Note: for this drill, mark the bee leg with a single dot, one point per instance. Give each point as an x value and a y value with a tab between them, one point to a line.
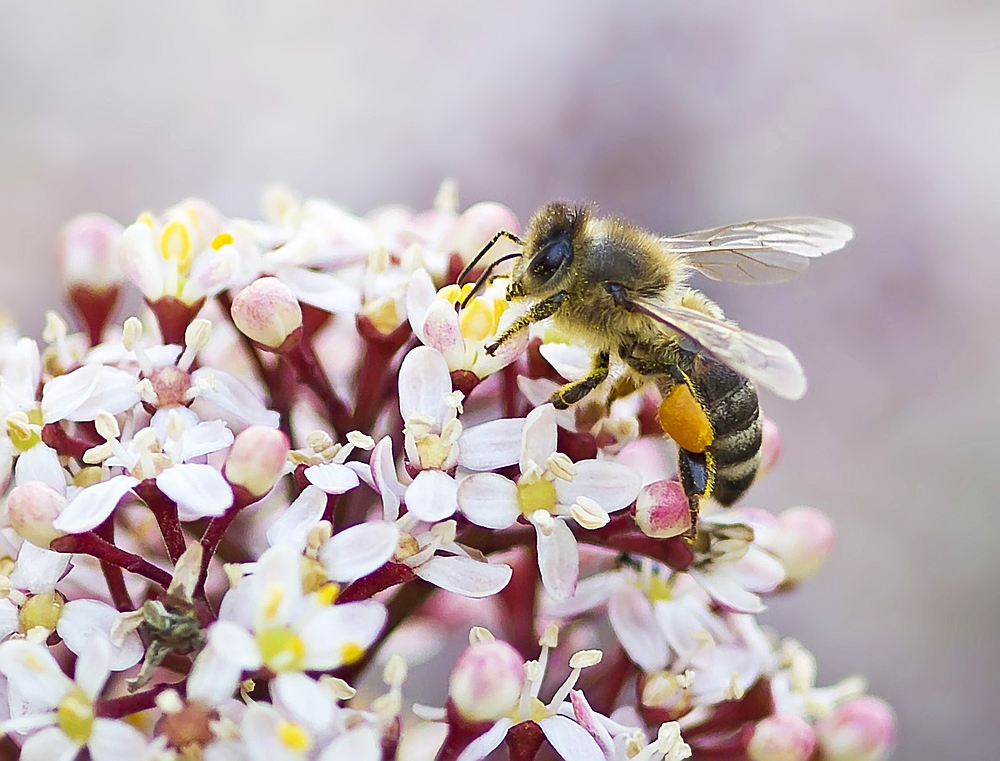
573	392
625	384
539	311
696	471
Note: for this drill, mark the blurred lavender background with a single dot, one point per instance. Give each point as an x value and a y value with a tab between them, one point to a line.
883	114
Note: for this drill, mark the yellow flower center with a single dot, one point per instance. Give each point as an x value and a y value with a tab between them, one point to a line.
281	649
659	589
480	317
538	710
75	716
293	736
328	593
41	610
536	495
434	451
88	476
350	652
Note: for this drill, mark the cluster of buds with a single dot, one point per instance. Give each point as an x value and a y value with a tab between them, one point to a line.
299	466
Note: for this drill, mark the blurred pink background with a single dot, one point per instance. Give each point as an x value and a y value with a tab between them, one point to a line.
883	114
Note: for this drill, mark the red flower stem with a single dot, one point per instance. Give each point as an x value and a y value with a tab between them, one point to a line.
460	734
117	708
164	510
113	574
377	581
216	529
609	683
508	380
520	597
308	371
55	436
374	380
93	545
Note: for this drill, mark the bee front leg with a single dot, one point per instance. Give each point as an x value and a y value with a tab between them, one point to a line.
539	311
573	392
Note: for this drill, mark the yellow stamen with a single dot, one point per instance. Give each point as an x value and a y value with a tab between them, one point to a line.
75	716
350	652
293	736
222	239
175	245
328	593
281	649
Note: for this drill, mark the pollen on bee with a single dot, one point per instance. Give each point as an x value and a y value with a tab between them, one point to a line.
684	420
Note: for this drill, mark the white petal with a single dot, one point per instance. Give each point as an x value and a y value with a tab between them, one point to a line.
224	396
49	745
632	618
723	585
204	438
570	740
487	742
213	679
93	666
200	491
492	445
292	527
10	618
41	463
538	390
358	744
31	668
571	361
93	505
278	573
683	620
330	630
420	293
233	643
83	621
610	484
591	593
303	700
21	369
442	331
433	496
558	560
359	550
321	290
332	477
489	500
465	576
37	570
140	261
213	270
760	571
90	389
538	440
112	740
383	467
424	381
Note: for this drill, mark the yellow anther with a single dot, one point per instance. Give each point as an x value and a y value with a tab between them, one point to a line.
659	589
293	736
477	321
350	652
328	593
222	239
147	218
75	716
175	242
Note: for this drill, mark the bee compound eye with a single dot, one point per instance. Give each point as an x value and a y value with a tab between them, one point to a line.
550	258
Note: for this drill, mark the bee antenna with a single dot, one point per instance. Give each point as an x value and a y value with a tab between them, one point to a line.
486	275
487	247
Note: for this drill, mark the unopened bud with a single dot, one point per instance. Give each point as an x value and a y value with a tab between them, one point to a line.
803	542
862	729
486	681
267	312
782	737
661	510
31	509
88	253
770	446
257	459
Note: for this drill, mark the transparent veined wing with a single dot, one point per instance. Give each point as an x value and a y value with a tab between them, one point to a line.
765	251
766	362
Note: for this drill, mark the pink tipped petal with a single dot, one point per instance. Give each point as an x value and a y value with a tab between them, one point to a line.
200	491
443	332
424	381
489	500
587	718
465	576
558	560
91	507
538	440
570	740
332	477
492	445
433	496
610	484
84	621
359	550
486	743
293	525
632	618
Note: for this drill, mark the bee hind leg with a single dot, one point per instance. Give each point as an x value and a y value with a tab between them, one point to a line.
573	392
696	471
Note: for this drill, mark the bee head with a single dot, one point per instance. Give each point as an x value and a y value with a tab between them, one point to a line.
548	251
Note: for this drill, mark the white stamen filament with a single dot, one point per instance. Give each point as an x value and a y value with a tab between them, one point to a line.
196	337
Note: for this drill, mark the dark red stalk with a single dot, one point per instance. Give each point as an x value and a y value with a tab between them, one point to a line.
93	545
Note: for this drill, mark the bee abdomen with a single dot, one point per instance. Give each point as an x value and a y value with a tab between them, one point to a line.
737	456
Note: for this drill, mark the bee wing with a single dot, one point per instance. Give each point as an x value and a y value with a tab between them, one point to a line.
765	251
765	362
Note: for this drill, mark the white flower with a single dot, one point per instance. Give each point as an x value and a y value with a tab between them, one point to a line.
63	709
550	490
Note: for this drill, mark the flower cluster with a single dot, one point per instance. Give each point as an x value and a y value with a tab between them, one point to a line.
233	523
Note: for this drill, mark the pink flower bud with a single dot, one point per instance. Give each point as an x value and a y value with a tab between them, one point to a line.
803	542
782	737
661	510
31	508
477	225
257	459
486	681
268	313
862	729
770	446
88	254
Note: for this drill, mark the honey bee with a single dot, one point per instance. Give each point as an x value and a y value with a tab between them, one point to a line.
623	290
